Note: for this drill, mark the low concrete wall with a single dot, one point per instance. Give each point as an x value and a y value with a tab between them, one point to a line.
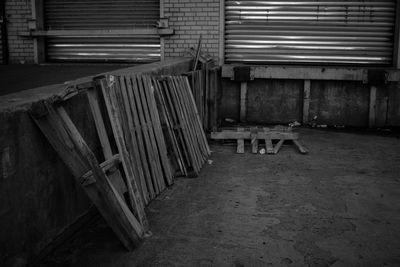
39	198
273	101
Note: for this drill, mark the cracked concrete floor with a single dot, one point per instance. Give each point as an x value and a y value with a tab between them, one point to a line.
337	206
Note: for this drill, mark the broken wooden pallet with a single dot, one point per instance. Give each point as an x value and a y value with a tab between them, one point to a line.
95	178
254	134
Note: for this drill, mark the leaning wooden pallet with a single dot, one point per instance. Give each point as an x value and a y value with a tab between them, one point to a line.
178	108
62	134
167	122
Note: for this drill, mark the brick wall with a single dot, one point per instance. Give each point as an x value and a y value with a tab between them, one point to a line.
20	48
191	18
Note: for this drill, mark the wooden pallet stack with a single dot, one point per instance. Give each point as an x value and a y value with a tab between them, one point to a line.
182	122
137	165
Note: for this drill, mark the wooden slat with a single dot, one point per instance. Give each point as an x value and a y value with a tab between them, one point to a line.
306	100
240	143
247	135
243	101
278	146
193	106
301	148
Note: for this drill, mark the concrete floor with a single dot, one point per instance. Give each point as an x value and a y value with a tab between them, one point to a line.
15	78
337	206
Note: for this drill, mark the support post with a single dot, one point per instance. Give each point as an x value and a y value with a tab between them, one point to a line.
372	106
306	100
243	100
221	52
38	42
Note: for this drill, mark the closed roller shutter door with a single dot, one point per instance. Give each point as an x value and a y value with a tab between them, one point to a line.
313	32
102	15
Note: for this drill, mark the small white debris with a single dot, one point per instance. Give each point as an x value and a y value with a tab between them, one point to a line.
262	151
210	162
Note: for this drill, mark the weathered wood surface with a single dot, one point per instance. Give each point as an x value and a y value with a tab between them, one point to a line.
73	150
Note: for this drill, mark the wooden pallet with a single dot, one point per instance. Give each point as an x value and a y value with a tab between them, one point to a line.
254	134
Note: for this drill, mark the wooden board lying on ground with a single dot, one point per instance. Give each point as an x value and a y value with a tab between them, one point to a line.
255	134
62	134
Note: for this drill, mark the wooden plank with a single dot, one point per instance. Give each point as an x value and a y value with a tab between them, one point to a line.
107	86
278	146
196	59
190	108
140	139
130	138
193	106
159	135
372	107
306	100
260	135
108	33
73	150
268	143
302	73
240	143
167	120
243	100
155	172
301	148
150	128
106	166
254	141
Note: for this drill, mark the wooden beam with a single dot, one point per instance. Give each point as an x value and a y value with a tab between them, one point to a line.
372	107
310	73
243	100
240	142
114	33
221	52
241	134
306	100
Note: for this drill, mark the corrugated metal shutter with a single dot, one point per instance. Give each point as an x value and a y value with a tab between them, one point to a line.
102	15
311	32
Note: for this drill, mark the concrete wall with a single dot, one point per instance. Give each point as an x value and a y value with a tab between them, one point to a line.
39	198
190	19
332	102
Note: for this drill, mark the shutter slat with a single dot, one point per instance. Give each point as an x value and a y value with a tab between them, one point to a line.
320	31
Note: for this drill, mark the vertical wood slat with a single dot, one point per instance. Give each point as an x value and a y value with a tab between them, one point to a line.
306	100
73	150
243	101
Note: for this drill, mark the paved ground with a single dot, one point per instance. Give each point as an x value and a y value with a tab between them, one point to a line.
14	78
337	206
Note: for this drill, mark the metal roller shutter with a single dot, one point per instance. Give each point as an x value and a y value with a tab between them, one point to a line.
102	15
311	32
